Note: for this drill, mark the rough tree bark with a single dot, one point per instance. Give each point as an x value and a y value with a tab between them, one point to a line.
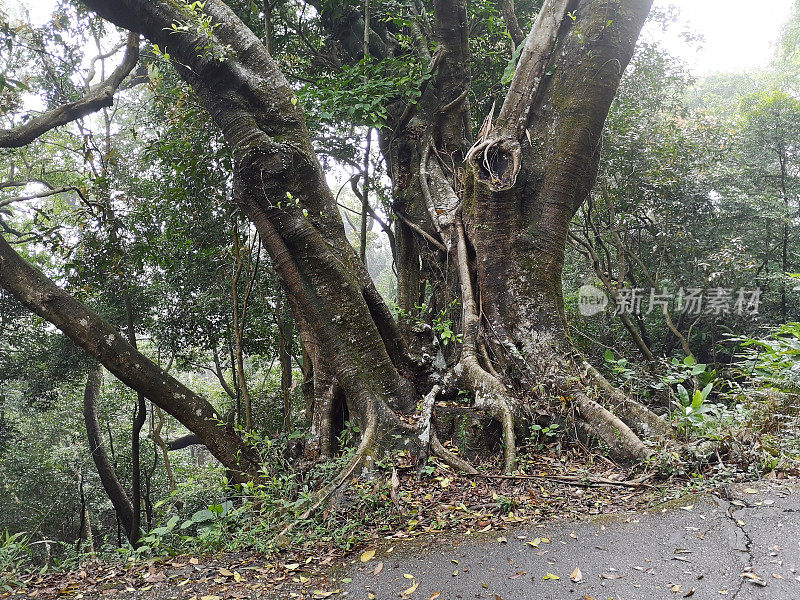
495	214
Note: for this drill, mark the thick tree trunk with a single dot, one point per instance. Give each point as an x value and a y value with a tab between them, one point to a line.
529	174
280	186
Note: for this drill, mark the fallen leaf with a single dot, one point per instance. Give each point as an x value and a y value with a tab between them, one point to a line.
194	561
750	491
550	576
408	576
755	579
411	590
367	556
611	576
226	573
292	566
435	596
576	576
377	570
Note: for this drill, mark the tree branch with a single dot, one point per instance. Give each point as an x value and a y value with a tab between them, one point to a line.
512	24
97	97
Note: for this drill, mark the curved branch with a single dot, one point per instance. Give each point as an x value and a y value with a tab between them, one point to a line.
108	477
512	24
44	194
99	96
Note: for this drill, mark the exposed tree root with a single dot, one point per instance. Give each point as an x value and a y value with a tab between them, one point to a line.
425	426
622	441
449	458
576	480
490	393
638	417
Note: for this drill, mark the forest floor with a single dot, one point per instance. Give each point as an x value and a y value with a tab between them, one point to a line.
573	530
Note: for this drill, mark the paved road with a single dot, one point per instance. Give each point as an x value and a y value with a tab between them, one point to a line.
698	550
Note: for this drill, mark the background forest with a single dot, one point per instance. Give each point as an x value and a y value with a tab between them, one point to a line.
129	209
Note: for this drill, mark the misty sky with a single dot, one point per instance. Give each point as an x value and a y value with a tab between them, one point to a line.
739	34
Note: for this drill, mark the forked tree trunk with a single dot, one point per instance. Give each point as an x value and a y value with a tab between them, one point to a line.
501	223
529	174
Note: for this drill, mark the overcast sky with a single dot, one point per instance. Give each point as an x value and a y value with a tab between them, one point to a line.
739	34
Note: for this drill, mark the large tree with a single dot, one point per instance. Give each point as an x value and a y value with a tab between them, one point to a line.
482	221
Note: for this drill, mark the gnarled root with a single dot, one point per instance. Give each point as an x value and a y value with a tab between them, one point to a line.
638	417
458	463
490	393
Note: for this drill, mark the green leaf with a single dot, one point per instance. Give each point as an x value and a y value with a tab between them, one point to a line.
697	400
511	67
202	516
683	395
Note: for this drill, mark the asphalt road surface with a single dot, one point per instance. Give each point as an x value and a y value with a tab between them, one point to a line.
744	547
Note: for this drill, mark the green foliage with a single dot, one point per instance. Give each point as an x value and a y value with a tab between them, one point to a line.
773	360
541	436
362	92
443	328
14	556
201	24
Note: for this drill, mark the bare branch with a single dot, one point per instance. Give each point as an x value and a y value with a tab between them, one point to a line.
512	24
44	194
